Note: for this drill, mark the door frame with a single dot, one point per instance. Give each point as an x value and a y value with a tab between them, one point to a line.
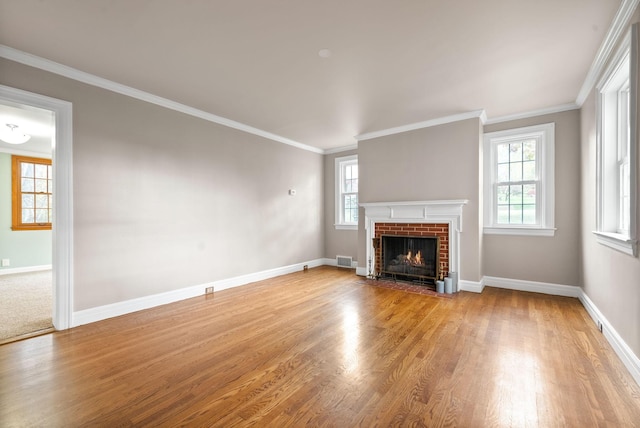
62	225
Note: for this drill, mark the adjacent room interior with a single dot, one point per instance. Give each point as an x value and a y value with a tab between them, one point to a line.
228	148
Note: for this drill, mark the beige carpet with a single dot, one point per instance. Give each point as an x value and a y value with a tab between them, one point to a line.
25	303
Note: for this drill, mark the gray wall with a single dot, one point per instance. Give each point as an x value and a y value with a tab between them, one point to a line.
611	279
554	259
163	200
24	248
440	162
337	242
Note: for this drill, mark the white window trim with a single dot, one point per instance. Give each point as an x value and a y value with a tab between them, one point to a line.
545	203
625	243
339	221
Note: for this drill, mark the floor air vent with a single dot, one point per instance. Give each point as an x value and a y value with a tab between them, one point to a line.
343	261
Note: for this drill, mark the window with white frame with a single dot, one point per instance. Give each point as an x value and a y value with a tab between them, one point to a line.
519	181
347	192
616	148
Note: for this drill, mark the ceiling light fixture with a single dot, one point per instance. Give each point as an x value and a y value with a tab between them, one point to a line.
324	53
11	135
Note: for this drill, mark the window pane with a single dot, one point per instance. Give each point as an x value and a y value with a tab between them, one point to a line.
529	170
354	171
503	172
503	153
529	194
529	214
515	171
41	186
347	201
351	185
27	216
626	179
351	216
503	195
347	172
515	195
515	214
26	169
515	154
49	186
27	201
503	214
41	171
50	171
42	201
42	216
529	150
350	208
625	198
27	185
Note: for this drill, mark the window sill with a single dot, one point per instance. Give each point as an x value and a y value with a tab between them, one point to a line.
520	231
346	226
617	242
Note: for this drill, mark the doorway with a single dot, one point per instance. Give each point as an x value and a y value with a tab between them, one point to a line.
26	186
62	230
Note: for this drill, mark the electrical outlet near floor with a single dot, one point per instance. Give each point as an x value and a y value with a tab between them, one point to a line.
208	290
600	326
6	262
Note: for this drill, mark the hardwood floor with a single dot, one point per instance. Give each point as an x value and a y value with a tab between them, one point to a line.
321	348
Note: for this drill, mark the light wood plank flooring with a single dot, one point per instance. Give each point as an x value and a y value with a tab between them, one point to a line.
321	348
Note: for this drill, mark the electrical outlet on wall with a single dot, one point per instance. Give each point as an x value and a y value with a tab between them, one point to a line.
6	262
208	290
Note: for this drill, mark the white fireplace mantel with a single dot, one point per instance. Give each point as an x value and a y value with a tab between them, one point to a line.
440	211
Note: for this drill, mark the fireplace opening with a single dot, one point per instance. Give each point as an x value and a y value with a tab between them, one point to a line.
410	258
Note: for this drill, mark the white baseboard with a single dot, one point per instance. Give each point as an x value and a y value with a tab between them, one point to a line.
25	269
128	306
259	276
472	286
626	355
532	286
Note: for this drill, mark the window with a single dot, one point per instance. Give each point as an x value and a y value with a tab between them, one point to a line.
347	192
32	182
615	151
519	181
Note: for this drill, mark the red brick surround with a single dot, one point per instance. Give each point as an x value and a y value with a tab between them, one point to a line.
417	229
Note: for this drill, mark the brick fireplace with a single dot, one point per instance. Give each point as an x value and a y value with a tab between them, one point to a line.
441	218
439	230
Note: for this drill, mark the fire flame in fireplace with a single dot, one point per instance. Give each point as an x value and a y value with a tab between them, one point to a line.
412	260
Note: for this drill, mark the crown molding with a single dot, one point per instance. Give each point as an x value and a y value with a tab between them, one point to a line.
426	124
533	113
340	149
90	79
620	22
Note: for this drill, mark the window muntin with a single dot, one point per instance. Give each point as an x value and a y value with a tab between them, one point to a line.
32	193
347	192
519	180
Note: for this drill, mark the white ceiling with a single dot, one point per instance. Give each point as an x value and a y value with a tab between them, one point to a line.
37	123
392	63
